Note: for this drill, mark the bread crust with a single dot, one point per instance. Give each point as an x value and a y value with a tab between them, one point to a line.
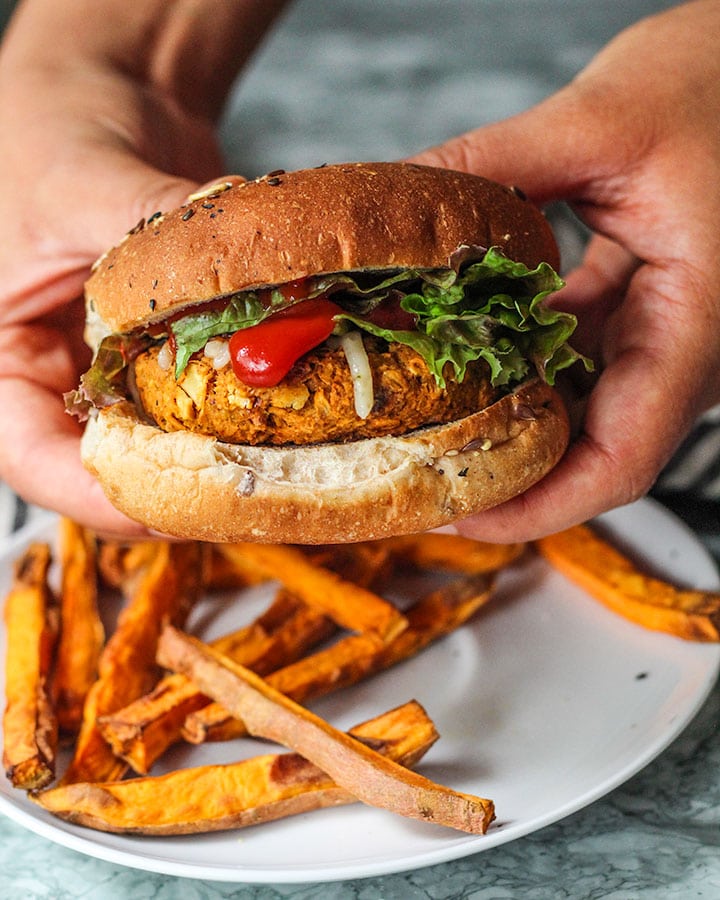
286	226
195	487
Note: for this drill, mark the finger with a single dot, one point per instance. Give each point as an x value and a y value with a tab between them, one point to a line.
58	273
606	265
611	464
135	192
596	474
645	400
594	290
55	279
513	151
40	460
568	147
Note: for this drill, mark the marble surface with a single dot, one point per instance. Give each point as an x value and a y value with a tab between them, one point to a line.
371	79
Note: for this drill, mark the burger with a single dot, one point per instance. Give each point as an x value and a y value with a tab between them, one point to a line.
329	355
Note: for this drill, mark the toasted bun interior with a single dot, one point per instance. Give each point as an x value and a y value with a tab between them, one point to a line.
195	487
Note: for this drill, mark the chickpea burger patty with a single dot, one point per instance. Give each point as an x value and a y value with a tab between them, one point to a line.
329	355
314	403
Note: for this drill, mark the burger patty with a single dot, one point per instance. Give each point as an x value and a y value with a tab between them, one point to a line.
314	403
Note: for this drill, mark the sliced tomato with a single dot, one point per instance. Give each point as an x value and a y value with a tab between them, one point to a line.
291	291
262	355
389	314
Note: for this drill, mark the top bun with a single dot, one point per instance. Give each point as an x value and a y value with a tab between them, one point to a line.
286	226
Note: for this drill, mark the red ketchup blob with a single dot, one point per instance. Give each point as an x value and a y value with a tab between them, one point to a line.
262	355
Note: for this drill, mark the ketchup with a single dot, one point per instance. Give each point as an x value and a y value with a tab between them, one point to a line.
262	355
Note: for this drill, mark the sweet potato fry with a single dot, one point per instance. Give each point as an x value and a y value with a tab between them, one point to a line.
440	550
364	773
29	722
118	561
362	563
219	797
165	590
222	574
355	657
81	630
588	560
350	605
143	730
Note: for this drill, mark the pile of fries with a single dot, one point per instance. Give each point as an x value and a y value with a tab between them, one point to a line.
122	700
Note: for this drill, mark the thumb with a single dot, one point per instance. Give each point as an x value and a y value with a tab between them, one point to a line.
107	203
102	211
552	151
136	191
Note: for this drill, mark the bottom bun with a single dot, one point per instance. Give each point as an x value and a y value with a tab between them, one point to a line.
194	487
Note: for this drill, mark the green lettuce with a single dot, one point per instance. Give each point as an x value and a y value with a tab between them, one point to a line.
481	306
492	309
105	382
192	332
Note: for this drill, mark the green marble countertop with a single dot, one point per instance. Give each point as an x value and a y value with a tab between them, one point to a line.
373	79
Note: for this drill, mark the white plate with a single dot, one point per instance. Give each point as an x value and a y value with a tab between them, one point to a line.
545	703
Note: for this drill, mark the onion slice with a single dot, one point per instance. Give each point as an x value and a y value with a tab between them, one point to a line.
165	356
218	351
357	358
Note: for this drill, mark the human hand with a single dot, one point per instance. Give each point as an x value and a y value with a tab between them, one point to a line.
107	114
634	145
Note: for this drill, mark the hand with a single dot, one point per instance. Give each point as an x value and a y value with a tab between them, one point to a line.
634	145
107	114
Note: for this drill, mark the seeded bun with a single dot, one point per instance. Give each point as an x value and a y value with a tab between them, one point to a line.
283	227
286	226
192	486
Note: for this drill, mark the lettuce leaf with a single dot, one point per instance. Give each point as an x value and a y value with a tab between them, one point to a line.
493	309
192	332
482	306
105	382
